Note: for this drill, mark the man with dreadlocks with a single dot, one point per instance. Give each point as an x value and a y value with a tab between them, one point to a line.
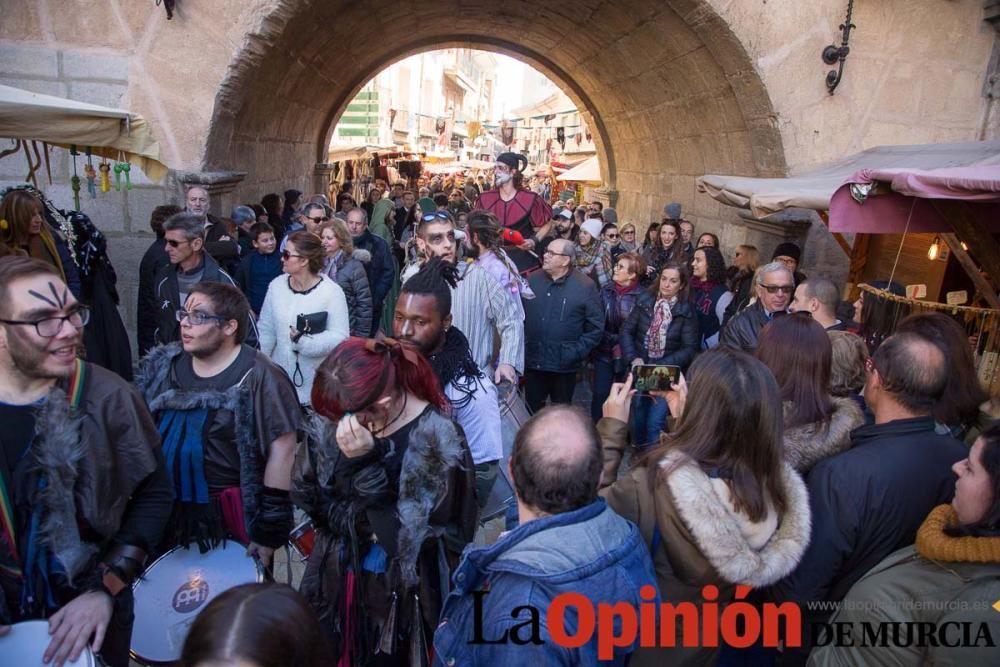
423	320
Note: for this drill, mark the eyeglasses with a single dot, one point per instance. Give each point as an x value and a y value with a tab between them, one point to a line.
435	215
774	289
318	220
50	327
556	254
285	255
174	244
196	318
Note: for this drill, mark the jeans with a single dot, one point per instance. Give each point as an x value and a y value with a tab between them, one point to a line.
604	377
542	385
649	416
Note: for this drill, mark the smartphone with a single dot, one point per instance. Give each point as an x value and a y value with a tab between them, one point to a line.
654	377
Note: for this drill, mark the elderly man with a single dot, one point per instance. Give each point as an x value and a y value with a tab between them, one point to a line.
563	324
774	289
568	540
819	297
218	243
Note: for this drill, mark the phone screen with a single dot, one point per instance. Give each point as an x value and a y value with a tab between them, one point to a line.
653	377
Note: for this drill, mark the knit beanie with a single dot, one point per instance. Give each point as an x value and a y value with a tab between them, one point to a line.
787	250
593	227
672	210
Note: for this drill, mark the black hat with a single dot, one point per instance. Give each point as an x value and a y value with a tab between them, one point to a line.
787	250
513	160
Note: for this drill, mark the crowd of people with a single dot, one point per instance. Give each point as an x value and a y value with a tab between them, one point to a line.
345	362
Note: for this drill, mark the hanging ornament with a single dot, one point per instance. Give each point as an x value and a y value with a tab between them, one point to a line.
75	181
91	174
105	176
126	168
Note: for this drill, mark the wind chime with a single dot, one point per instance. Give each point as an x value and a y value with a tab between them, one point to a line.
120	167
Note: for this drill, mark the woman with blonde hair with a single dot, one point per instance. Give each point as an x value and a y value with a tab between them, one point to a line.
345	266
25	231
746	261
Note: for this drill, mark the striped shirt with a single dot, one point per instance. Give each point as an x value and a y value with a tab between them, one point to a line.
481	309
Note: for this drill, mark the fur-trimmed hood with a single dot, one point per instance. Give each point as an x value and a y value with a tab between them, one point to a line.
808	444
721	534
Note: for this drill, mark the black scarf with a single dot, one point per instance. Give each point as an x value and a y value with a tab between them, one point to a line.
453	364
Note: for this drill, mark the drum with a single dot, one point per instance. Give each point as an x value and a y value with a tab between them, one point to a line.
303	539
175	588
513	414
25	645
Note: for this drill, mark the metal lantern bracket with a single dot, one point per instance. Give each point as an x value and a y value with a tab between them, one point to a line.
837	55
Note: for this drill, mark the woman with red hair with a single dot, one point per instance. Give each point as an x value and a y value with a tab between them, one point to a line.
389	483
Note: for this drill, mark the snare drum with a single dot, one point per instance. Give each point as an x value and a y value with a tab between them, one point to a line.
175	588
25	645
303	539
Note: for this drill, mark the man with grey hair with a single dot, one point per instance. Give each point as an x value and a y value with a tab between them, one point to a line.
562	326
190	264
774	288
381	270
218	243
309	219
819	297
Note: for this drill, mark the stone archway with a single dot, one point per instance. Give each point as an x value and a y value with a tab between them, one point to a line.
668	88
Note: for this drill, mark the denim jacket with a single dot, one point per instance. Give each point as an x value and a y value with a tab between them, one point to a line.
591	551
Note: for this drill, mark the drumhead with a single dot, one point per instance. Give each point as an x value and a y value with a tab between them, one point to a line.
25	645
175	588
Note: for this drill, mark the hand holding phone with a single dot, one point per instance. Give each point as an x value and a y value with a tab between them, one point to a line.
655	377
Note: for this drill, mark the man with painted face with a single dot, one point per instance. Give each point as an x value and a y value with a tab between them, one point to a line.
480	305
774	288
518	209
84	490
423	320
234	414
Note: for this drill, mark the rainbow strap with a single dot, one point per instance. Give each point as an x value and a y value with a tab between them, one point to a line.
74	394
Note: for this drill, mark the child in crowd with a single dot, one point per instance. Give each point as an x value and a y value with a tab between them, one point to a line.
260	266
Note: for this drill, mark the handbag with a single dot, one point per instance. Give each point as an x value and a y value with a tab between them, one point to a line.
311	323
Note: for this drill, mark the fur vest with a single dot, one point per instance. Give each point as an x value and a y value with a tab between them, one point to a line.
154	380
808	444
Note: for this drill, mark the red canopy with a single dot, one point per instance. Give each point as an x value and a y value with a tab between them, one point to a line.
889	201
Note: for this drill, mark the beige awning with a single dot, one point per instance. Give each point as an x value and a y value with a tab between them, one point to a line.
588	171
62	122
813	189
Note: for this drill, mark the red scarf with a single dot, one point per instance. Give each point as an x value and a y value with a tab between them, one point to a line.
622	289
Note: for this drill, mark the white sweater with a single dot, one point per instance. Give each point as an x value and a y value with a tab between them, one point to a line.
281	308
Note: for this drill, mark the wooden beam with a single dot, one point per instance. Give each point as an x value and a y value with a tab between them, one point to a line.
842	242
987	251
859	257
970	267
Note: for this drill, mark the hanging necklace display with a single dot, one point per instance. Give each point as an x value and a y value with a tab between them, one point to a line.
75	181
105	175
91	174
122	167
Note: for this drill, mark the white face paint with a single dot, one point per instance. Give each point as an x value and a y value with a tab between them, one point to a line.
500	178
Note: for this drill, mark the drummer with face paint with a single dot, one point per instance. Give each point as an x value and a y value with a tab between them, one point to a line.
229	418
423	320
84	492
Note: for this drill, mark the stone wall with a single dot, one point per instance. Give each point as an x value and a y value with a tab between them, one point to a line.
673	88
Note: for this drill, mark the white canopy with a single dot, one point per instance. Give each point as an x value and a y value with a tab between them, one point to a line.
61	122
588	171
813	189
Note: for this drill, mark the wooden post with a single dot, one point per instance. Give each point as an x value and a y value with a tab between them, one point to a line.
959	216
859	257
984	287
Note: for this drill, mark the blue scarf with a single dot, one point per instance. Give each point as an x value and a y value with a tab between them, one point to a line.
182	432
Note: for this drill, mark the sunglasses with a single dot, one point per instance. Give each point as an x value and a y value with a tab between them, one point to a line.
319	220
285	255
436	215
174	244
774	289
612	236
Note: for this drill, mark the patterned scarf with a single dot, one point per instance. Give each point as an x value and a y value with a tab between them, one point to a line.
656	337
